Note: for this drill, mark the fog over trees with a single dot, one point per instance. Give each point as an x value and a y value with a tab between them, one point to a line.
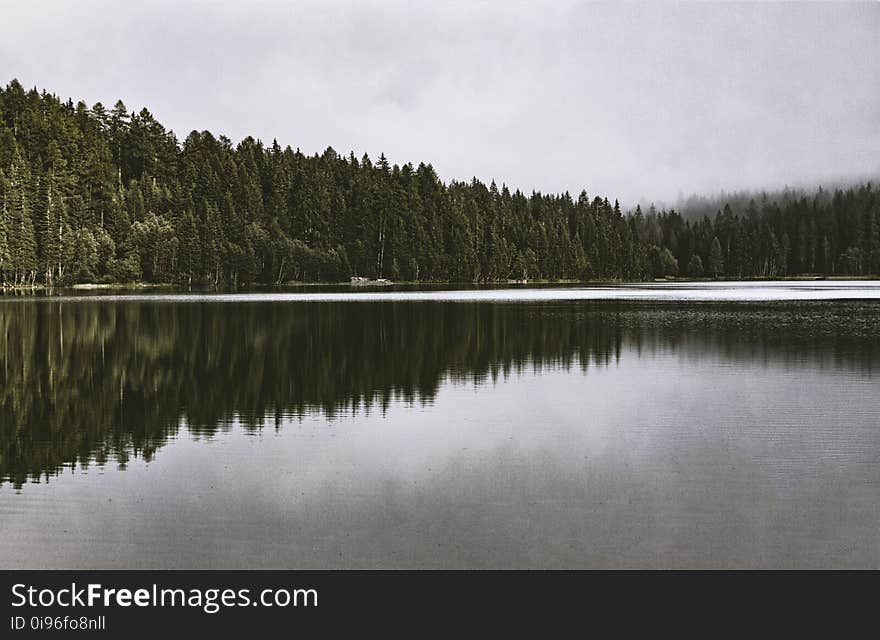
105	194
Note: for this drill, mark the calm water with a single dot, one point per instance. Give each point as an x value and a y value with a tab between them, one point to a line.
636	426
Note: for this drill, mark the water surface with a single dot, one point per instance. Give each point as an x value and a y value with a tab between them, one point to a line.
638	426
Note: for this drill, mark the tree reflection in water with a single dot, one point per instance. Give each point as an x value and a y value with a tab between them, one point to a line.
90	381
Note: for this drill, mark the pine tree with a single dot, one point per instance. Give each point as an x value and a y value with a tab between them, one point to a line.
5	256
695	267
20	230
716	259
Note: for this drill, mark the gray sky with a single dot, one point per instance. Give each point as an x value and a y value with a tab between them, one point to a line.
626	100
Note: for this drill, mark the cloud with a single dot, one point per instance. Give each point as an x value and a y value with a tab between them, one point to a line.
626	100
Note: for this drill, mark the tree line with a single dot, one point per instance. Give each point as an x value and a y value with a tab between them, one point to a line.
91	194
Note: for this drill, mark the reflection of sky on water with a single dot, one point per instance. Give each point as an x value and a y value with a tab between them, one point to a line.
652	461
394	434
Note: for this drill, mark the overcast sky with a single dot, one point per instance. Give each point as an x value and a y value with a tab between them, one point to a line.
626	100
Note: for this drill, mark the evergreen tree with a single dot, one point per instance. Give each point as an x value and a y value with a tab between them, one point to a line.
20	226
716	259
695	266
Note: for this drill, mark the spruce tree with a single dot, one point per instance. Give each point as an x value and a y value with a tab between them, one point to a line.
20	230
716	258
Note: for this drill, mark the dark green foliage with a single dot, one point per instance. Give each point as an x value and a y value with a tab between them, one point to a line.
663	263
695	267
716	258
88	194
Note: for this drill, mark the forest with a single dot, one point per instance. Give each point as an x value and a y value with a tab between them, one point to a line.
98	195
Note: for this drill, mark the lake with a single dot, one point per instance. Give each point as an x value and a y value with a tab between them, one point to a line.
656	425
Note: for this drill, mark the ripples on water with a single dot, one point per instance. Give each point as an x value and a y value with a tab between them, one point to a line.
671	426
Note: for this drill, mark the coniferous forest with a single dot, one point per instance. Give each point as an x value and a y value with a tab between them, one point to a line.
108	195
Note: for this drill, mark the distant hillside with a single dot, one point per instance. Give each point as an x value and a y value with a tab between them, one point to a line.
696	206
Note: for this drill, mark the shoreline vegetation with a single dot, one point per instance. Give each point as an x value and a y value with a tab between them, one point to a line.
151	286
91	197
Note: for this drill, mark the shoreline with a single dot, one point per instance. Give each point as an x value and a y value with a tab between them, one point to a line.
147	286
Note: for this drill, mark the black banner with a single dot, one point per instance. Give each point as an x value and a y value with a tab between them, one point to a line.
127	603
